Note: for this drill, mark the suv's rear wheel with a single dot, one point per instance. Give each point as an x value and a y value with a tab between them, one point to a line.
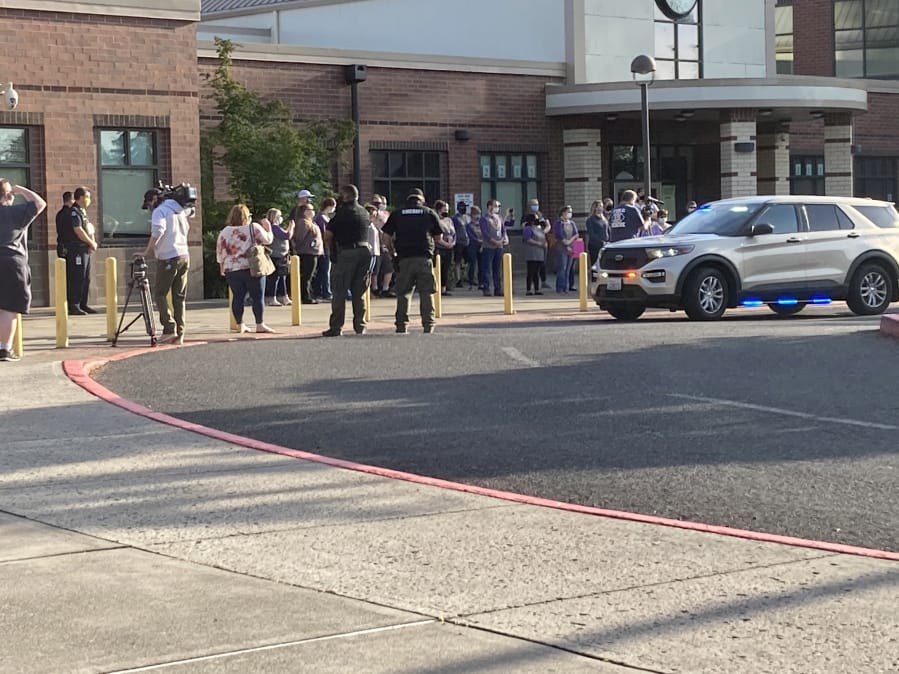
706	294
626	312
787	309
870	290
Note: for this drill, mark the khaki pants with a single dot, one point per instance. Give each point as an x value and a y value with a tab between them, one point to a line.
171	275
415	273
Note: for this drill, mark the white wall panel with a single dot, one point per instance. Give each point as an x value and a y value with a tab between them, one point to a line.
489	29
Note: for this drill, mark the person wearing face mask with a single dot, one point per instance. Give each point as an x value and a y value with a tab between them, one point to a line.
493	231
597	231
322	283
444	244
566	234
473	254
276	293
460	252
539	221
691	206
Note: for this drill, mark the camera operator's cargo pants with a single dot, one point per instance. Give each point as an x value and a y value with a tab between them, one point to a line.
171	275
415	273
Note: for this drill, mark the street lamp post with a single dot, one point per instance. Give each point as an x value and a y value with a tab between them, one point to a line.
643	69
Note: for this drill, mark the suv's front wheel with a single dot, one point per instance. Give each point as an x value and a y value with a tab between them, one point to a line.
870	290
706	294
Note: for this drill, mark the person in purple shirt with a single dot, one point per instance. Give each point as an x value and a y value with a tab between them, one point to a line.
473	253
276	293
566	233
493	232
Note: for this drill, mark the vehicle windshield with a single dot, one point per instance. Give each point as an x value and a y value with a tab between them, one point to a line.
723	219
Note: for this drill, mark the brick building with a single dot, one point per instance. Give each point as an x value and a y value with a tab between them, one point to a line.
522	100
501	98
108	98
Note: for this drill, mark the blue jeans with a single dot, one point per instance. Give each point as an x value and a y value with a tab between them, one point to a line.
473	254
563	269
323	277
492	264
242	283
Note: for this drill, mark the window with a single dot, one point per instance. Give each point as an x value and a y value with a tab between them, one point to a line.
511	178
128	168
782	217
884	217
807	174
875	177
677	47
783	37
826	217
866	38
396	172
14	159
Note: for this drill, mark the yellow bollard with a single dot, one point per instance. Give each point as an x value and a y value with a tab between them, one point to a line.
583	285
438	299
232	324
296	314
367	298
17	342
62	305
112	302
508	308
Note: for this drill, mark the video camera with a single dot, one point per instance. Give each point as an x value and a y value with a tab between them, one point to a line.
184	194
138	268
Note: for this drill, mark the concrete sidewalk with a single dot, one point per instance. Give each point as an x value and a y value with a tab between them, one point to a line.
127	544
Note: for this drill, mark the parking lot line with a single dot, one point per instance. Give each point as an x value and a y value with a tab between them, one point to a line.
786	413
515	354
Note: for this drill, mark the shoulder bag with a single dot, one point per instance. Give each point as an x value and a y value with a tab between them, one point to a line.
260	262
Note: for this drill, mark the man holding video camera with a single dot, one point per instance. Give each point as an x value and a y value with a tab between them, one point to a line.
168	242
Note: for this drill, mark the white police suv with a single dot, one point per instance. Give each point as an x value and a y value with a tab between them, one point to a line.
782	251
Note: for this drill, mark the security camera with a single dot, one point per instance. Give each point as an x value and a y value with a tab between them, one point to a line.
10	97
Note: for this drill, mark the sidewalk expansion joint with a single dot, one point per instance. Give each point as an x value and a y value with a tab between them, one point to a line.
661	583
330	525
270	647
70	553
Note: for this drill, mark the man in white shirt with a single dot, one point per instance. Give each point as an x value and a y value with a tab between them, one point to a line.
168	242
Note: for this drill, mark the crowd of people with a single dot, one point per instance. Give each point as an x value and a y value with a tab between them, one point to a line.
349	247
345	249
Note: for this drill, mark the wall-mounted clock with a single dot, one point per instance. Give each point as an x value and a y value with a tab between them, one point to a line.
676	9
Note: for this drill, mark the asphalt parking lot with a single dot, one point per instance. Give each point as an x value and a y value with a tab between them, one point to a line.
787	426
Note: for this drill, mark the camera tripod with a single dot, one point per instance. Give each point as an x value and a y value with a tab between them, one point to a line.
146	306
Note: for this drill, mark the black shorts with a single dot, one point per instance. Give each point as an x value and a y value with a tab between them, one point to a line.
15	285
386	264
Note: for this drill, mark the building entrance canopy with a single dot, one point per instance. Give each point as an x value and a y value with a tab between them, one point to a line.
786	97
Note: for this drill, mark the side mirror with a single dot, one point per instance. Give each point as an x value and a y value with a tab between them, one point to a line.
763	228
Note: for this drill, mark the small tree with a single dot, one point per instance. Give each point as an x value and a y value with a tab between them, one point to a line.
265	154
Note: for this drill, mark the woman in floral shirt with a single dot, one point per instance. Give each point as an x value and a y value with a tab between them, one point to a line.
231	250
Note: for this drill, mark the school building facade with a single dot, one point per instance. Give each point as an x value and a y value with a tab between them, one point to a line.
499	99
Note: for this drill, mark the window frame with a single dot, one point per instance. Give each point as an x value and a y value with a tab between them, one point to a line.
525	179
384	185
785	6
126	166
694	20
816	179
864	47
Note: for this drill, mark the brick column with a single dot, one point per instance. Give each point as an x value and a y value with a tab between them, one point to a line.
738	169
582	168
838	155
773	159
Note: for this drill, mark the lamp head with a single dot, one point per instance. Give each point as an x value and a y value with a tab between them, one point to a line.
643	68
10	96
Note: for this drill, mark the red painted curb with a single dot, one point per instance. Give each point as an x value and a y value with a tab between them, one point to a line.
889	325
79	372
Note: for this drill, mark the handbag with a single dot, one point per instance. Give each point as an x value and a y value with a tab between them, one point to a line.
260	262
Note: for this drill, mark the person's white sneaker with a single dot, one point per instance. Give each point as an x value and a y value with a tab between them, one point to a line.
285	301
273	302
